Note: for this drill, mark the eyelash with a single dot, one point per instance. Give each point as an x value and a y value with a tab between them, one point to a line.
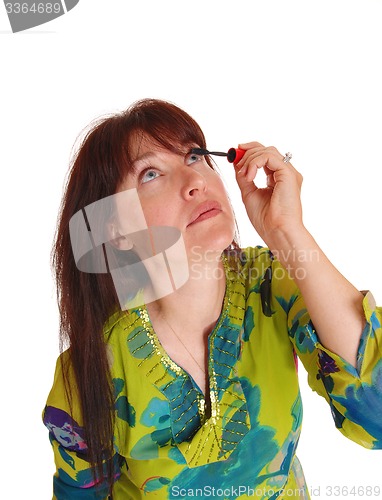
144	172
193	156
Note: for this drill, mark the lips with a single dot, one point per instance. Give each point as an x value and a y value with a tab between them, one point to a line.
205	210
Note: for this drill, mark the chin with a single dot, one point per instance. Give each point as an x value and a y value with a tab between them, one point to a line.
211	243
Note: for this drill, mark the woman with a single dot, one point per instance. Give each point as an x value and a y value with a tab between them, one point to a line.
195	392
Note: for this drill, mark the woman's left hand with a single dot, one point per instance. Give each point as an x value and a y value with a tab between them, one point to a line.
278	206
334	305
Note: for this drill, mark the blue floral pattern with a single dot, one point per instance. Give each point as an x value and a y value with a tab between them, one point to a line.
169	439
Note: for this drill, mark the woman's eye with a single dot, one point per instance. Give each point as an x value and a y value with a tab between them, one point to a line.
149	175
192	158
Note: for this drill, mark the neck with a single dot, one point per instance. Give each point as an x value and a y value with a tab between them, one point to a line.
197	304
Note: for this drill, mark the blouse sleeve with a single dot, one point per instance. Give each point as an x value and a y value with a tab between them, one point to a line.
73	477
354	394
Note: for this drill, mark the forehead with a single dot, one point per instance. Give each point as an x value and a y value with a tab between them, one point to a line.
142	145
141	149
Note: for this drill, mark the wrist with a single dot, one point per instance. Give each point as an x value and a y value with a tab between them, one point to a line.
288	238
297	251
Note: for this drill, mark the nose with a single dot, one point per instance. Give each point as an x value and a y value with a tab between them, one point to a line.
194	183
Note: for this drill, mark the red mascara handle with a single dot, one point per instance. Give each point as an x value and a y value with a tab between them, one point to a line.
235	155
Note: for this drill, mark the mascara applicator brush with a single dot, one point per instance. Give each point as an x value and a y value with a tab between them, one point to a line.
234	155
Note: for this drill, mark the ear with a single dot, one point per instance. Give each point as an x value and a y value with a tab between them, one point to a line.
118	240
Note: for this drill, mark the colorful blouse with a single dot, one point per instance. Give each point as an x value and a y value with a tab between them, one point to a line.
169	445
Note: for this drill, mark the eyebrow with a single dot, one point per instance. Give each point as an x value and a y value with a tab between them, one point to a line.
145	156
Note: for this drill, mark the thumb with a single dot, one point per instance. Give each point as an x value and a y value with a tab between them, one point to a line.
246	187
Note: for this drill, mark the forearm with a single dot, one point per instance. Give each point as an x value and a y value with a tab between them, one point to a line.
333	303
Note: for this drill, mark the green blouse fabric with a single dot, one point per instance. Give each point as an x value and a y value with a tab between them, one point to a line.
170	444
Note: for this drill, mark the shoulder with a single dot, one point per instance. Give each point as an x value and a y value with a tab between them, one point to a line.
120	320
63	400
119	328
260	274
250	263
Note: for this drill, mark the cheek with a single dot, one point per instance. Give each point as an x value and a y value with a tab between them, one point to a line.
223	197
158	214
216	182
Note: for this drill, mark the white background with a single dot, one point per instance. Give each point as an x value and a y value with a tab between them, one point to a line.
301	75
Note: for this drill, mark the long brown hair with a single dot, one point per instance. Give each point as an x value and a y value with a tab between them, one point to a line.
86	300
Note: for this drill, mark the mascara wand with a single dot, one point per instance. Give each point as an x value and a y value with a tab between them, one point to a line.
233	156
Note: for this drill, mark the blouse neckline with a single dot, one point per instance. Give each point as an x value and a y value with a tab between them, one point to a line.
166	359
200	436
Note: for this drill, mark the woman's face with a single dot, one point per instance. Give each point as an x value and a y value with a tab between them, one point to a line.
182	191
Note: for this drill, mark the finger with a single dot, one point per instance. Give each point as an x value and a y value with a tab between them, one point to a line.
249	148
246	187
255	149
271	183
250	170
248	156
249	145
259	158
269	159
